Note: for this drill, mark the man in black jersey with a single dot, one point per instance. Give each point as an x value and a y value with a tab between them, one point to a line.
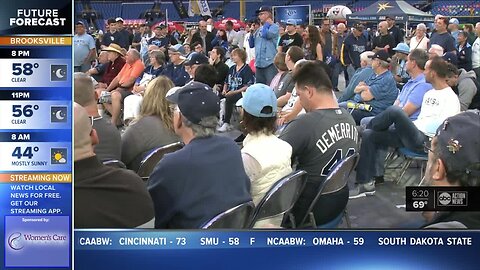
319	138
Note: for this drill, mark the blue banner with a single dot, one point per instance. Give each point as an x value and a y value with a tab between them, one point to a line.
145	249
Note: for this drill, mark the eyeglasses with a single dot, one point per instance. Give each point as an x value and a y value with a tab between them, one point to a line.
427	146
174	108
92	119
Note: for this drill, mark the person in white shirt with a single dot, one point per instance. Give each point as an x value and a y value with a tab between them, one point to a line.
231	34
438	104
265	157
476	52
248	31
420	40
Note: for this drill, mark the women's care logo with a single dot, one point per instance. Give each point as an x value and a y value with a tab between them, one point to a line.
15	241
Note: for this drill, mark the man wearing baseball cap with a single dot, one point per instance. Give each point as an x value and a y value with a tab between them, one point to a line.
83	48
379	91
438	104
265	40
453	29
175	69
162	39
290	38
126	35
205	178
193	61
393	30
266	158
409	103
353	45
113	35
454	160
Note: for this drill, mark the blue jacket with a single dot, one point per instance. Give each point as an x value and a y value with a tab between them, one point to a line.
192	185
264	40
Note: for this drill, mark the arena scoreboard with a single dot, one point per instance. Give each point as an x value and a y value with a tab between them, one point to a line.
36	191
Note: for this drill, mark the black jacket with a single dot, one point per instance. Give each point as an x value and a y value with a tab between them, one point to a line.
208	40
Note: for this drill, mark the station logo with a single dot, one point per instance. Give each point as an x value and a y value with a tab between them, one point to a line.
58	73
452	198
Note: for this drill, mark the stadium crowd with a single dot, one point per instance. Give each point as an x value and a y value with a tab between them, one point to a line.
137	92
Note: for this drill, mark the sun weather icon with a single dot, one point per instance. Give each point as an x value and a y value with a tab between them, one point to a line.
58	155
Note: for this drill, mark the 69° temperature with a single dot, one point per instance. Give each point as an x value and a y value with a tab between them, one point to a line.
27	110
419	204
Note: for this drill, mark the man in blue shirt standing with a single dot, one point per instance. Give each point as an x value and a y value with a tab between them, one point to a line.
206	177
84	48
264	40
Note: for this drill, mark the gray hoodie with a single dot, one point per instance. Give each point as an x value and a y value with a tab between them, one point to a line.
466	88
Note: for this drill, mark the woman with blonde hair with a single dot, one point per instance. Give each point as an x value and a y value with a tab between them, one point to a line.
153	128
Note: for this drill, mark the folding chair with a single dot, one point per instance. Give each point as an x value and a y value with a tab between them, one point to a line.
409	157
150	161
114	163
237	217
336	180
281	197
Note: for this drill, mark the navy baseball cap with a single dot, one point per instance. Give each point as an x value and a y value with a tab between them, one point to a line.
259	100
196	59
382	55
196	100
264	9
450	57
458	141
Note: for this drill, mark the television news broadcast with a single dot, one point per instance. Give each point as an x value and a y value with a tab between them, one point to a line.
241	134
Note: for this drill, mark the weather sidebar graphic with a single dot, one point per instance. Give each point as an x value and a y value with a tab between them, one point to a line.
36	136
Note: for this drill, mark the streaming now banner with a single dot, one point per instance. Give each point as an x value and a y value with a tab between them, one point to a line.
144	249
